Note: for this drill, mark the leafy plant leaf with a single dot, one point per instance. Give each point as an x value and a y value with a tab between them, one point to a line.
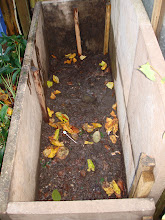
148	72
56	196
3	112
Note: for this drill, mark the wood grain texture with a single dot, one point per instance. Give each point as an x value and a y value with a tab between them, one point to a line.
156	14
107	28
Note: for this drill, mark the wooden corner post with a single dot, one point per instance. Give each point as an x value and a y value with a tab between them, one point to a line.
107	27
144	177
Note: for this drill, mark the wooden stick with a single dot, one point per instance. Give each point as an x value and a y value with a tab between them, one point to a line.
77	32
107	27
40	93
156	14
146	163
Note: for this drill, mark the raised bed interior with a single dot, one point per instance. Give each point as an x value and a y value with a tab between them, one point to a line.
141	121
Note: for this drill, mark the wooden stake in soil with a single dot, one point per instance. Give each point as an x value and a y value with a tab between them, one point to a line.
144	177
156	14
107	27
40	93
77	32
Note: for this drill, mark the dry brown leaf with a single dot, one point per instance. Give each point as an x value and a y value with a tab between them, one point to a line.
88	128
115	152
107	147
75	130
54	56
3	97
113	139
62	153
70	83
120	183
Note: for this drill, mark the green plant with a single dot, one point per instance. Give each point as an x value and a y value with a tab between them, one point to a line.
12	50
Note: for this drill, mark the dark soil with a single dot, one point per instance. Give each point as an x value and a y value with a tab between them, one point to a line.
85	99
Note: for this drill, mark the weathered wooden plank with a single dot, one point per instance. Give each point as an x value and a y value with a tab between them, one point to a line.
146	163
156	14
144	185
107	27
8	15
24	15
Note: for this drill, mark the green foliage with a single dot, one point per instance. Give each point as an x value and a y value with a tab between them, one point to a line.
11	56
56	196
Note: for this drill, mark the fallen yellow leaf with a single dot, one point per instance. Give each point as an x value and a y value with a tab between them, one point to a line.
56	143
107	187
91	166
68	61
116	188
68	55
113	139
111	125
49	84
113	114
74	60
52	96
103	65
96	125
72	55
56	134
50	151
114	106
56	79
62	117
88	142
56	92
110	85
82	57
50	112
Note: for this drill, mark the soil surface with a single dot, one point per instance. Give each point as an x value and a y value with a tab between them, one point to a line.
85	98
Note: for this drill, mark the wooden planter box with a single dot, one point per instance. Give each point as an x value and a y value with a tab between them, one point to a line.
141	109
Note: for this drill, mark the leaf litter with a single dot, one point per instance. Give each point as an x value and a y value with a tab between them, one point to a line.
82	107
